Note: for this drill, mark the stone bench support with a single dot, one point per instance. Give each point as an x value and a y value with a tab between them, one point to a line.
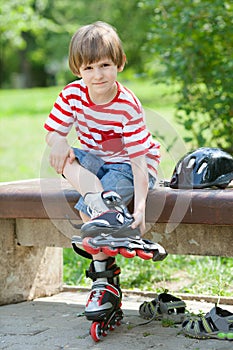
34	229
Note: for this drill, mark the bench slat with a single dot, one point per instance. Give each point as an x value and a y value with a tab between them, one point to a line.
55	198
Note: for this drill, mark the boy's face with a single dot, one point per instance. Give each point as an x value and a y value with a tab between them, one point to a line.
100	78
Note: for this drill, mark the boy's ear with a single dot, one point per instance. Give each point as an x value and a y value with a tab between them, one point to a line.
120	69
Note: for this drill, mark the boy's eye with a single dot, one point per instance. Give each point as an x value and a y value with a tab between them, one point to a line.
102	65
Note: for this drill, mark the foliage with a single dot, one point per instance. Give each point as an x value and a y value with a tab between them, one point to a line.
35	36
21	16
191	42
29	38
203	275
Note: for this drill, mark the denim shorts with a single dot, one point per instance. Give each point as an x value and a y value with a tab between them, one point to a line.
116	177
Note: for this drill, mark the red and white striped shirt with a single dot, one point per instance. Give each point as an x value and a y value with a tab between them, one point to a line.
115	131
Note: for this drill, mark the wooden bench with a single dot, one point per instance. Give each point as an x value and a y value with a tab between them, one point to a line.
34	228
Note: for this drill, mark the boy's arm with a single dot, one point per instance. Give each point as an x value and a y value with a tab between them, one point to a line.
140	173
60	151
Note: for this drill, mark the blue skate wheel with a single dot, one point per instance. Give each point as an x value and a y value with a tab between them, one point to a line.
127	253
144	255
110	251
89	247
95	331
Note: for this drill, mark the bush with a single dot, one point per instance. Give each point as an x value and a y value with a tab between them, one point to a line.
193	42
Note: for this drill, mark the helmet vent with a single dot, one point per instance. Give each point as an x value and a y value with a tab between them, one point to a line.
179	168
202	167
191	163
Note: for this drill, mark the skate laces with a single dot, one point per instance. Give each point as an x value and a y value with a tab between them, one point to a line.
99	289
111	198
94	212
95	295
113	202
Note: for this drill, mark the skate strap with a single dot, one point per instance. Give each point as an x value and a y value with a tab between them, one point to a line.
81	252
108	273
77	226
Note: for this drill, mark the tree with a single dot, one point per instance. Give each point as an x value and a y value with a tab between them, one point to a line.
191	44
21	24
35	35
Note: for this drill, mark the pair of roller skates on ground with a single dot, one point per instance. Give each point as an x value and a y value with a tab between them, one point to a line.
110	232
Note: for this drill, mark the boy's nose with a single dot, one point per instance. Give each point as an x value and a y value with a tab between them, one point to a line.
98	73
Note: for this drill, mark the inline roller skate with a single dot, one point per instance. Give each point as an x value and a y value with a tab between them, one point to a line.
103	307
109	231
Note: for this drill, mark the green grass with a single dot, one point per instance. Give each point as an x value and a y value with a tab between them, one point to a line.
22	147
177	273
22	138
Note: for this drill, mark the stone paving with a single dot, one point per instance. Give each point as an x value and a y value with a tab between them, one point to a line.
54	323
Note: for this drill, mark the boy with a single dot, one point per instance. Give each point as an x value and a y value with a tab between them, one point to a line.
118	158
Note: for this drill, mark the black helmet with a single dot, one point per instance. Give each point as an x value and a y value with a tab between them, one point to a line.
202	168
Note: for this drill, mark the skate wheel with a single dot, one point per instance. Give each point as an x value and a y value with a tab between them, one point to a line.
144	255
95	331
110	251
127	253
88	247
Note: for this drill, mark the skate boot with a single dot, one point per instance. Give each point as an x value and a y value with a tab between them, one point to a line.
110	230
103	307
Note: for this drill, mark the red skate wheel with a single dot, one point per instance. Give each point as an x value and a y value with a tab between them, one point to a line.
127	253
95	331
88	247
110	251
144	255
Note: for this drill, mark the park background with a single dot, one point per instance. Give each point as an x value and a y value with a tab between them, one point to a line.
180	65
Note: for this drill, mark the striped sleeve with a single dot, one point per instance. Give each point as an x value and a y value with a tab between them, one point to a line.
136	137
61	116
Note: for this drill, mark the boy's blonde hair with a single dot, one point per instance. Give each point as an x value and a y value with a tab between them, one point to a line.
94	42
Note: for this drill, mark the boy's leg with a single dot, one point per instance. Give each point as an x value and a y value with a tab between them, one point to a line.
109	214
105	297
103	270
103	206
81	179
87	184
100	256
91	188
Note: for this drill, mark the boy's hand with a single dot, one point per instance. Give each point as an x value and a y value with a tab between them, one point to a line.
71	156
59	153
139	220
